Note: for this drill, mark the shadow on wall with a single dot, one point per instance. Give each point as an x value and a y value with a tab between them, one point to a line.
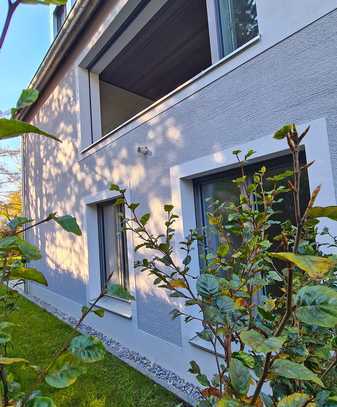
58	181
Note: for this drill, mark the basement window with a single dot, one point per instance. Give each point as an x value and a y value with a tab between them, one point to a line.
169	50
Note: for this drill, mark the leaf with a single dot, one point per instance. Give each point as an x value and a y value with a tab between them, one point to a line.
65	372
259	343
168	208
292	370
317	305
41	401
225	304
245	358
194	369
239	376
249	154
69	224
323	212
99	312
282	132
281	176
226	402
10	128
87	348
144	219
22	246
294	400
207	285
178	283
28	274
202	379
27	98
18	221
5	338
12	361
223	250
315	266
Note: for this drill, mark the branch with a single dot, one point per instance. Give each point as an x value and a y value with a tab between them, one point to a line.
10	12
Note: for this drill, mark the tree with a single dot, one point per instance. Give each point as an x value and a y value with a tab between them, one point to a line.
286	338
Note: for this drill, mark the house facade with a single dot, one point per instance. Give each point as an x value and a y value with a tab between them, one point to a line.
153	95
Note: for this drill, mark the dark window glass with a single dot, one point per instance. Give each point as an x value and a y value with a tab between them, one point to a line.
220	187
112	243
59	17
238	23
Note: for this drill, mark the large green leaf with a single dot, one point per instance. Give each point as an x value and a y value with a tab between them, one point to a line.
12	361
292	370
10	128
294	400
282	132
315	266
65	372
226	402
87	348
225	304
317	305
69	224
30	274
259	343
27	98
41	401
239	376
29	251
207	284
247	359
18	221
323	212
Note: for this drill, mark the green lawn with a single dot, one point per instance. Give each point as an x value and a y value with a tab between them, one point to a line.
110	383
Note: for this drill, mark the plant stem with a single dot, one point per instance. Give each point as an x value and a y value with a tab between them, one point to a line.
332	364
3	377
293	142
10	12
47	219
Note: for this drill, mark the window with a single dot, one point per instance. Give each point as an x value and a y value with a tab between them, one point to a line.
60	13
220	187
166	52
112	245
237	23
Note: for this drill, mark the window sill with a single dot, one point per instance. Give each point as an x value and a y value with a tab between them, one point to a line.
204	345
159	104
116	305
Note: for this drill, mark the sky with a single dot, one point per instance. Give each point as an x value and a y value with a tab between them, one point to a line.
26	44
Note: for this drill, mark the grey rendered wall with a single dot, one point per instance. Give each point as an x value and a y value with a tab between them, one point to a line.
295	81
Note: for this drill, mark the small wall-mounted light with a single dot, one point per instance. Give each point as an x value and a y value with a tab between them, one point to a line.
144	150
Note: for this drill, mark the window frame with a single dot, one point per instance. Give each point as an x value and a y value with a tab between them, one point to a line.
219	31
317	149
121	244
233	173
113	304
59	17
94	62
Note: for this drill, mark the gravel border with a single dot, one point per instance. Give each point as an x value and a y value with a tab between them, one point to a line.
166	378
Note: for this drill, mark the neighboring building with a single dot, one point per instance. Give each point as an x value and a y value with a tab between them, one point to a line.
191	80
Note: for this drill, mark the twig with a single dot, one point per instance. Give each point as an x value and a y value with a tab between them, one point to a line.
10	12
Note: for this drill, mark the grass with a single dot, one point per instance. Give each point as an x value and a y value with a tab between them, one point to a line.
109	383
